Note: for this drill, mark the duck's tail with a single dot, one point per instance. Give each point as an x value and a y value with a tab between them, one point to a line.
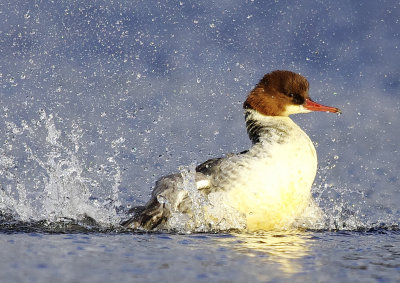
167	197
147	217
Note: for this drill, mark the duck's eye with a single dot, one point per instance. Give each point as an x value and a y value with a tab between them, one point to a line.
291	94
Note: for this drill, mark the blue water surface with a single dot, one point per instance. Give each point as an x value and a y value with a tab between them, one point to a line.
263	257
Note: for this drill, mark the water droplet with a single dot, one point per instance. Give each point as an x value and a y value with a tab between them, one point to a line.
27	16
162	199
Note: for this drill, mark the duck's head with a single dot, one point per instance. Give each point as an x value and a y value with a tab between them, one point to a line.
282	93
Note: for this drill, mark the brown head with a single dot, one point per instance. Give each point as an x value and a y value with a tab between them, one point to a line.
282	93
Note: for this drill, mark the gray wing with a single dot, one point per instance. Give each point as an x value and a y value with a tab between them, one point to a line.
209	167
168	197
212	166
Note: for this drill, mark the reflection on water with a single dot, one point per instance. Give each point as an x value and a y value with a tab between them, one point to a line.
284	248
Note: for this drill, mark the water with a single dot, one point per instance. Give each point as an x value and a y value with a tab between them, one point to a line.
99	99
268	257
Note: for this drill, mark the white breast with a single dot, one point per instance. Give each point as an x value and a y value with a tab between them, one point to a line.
271	183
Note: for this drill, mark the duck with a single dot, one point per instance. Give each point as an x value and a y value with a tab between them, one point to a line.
266	187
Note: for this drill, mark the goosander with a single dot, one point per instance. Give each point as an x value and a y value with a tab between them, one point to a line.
269	185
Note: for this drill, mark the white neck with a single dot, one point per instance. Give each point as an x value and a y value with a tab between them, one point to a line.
261	128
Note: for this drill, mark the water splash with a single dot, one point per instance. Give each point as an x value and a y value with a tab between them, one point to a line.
208	213
347	208
43	179
195	221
